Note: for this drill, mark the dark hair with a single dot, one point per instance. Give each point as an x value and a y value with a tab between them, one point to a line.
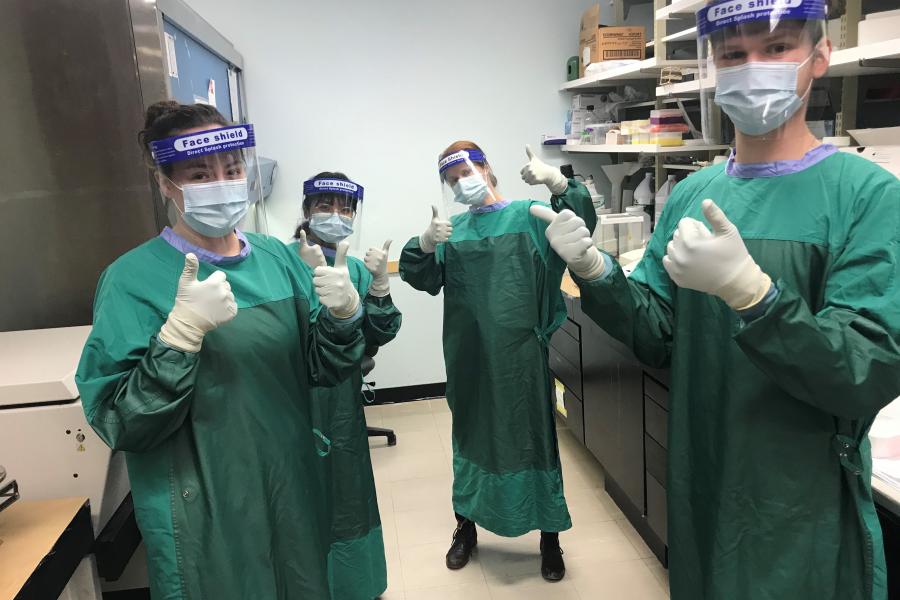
307	200
467	145
167	118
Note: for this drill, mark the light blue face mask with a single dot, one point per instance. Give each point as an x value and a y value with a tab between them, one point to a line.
214	209
759	97
331	228
471	190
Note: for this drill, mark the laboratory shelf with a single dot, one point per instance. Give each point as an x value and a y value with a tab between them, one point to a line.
671	167
645	69
637	149
679	8
869	59
687	34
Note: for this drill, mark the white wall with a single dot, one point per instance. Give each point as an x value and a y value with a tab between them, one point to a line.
378	90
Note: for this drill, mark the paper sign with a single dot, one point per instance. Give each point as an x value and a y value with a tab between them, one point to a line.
561	398
212	92
170	55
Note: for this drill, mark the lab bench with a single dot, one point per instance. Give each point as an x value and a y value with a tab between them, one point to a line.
619	410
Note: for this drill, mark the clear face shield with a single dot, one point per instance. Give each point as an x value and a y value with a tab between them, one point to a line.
758	61
333	210
466	181
212	177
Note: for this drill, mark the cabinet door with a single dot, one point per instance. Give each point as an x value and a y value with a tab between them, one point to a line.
631	429
601	410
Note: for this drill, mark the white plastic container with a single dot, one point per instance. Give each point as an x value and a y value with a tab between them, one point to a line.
638	211
643	194
662	195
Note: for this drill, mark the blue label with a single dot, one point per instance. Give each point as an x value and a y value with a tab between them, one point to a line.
728	13
332	186
458	157
213	141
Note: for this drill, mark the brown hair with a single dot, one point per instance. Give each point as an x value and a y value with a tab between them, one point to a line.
467	145
167	118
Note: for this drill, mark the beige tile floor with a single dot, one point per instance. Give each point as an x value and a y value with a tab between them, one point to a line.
605	558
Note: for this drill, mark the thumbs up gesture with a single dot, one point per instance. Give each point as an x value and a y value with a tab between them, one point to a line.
311	254
715	262
537	172
438	232
334	288
200	307
376	262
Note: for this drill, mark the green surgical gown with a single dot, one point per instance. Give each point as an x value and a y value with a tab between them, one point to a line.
769	475
228	487
502	303
356	563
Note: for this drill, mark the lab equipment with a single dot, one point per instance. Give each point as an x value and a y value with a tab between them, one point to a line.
47	445
376	263
336	207
813	389
437	232
538	172
644	236
616	174
250	384
760	95
200	307
572	68
570	239
643	193
493	279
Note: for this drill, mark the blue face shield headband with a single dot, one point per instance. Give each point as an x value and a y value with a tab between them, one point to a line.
333	227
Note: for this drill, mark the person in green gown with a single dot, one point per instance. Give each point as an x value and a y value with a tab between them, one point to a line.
356	561
502	302
205	346
771	287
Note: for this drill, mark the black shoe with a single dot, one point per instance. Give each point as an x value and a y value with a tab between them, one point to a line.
552	566
464	541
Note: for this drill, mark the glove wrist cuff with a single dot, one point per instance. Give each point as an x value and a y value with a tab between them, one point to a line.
426	246
380	286
181	335
558	185
593	270
747	288
347	311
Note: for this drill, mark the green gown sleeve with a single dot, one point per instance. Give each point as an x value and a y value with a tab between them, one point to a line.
381	319
135	392
843	356
577	199
637	310
420	269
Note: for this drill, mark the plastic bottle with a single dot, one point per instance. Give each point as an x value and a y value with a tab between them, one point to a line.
644	192
662	196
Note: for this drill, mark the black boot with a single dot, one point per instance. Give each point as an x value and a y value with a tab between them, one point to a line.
464	541
552	566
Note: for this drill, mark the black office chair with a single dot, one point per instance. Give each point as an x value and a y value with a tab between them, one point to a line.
368	363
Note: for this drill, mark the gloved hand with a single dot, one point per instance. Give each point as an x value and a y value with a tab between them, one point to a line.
438	232
537	171
715	262
570	239
334	288
311	254
200	307
377	262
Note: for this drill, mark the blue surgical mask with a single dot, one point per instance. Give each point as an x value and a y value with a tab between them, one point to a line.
759	97
471	190
331	227
214	209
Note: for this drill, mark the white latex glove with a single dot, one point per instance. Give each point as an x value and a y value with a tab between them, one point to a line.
311	254
438	232
200	307
570	239
537	171
377	263
334	288
715	262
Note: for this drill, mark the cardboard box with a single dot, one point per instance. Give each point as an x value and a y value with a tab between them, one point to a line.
597	42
